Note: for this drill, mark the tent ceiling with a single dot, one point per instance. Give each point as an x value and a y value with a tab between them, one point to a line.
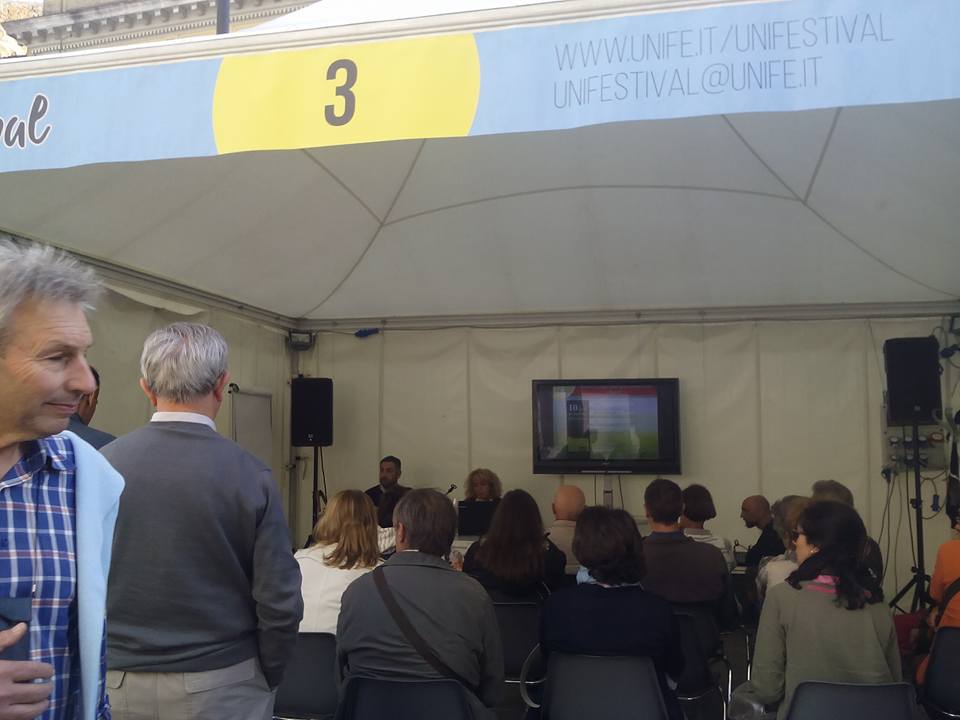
746	210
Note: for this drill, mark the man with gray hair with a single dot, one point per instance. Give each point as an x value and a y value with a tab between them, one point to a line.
416	618
838	492
204	595
58	496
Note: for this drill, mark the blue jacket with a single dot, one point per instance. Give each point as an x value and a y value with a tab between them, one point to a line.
98	488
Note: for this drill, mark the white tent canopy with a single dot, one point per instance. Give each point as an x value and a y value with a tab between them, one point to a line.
826	206
839	201
855	206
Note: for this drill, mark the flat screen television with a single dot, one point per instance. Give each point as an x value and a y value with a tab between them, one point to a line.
624	426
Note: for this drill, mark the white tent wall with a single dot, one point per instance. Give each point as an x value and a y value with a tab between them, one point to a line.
766	407
259	360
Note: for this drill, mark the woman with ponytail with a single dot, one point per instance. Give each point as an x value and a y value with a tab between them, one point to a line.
828	621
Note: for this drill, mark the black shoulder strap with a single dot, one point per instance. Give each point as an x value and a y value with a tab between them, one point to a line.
948	595
410	633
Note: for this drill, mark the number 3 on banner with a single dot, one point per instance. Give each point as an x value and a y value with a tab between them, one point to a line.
345	91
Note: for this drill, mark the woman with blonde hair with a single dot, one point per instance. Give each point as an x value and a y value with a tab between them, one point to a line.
776	569
483	485
345	548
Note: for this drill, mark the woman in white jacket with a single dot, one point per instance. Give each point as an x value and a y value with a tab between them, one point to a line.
346	547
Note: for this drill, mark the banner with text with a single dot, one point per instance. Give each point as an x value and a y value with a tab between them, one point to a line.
779	56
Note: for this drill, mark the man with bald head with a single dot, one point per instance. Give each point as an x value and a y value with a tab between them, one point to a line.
755	512
568	503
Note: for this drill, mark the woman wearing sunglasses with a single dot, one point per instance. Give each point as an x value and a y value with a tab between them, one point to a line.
828	621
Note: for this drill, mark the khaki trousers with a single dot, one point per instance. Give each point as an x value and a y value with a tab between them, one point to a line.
237	692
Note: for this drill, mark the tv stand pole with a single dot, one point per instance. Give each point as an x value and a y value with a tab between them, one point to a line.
607	490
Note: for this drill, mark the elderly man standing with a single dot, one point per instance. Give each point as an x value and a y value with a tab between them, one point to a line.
204	597
58	496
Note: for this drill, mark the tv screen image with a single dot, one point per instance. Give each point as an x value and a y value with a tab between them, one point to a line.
612	426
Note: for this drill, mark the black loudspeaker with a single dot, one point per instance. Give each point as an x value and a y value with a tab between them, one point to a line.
311	412
913	380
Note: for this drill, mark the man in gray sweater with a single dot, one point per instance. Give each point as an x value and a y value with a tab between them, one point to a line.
204	597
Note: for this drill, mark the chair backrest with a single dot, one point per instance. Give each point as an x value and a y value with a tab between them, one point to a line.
942	683
519	633
601	688
708	631
369	699
309	687
696	677
818	700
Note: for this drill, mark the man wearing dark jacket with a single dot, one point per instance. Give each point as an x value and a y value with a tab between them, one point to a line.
680	569
204	594
450	610
755	512
80	420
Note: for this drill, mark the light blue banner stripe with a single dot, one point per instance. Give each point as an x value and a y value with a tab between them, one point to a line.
143	113
776	56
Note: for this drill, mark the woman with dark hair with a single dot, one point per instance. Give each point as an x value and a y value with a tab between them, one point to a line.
612	614
514	557
828	621
698	507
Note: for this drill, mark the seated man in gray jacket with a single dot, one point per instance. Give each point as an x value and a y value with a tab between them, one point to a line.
450	611
204	594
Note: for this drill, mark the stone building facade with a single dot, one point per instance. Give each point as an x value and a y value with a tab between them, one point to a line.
67	25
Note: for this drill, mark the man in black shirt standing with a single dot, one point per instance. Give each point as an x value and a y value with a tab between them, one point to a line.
755	512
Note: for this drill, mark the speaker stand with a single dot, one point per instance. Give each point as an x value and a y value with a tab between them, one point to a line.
920	579
318	494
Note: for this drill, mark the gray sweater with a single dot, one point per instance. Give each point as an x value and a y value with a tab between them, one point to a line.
203	575
804	635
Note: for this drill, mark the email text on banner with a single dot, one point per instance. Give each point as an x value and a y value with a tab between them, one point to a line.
784	55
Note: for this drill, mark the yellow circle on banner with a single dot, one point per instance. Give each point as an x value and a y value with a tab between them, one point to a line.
417	88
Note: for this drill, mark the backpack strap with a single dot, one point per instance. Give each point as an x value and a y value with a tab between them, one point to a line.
411	634
948	595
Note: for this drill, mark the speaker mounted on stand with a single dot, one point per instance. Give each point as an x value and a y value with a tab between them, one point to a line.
912	367
311	425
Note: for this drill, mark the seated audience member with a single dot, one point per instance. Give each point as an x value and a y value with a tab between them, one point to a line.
946	571
613	614
755	512
388	501
828	621
698	507
568	503
483	485
838	492
389	480
679	569
451	612
775	570
515	557
345	547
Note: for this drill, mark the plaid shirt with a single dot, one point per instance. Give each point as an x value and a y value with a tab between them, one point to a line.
38	558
